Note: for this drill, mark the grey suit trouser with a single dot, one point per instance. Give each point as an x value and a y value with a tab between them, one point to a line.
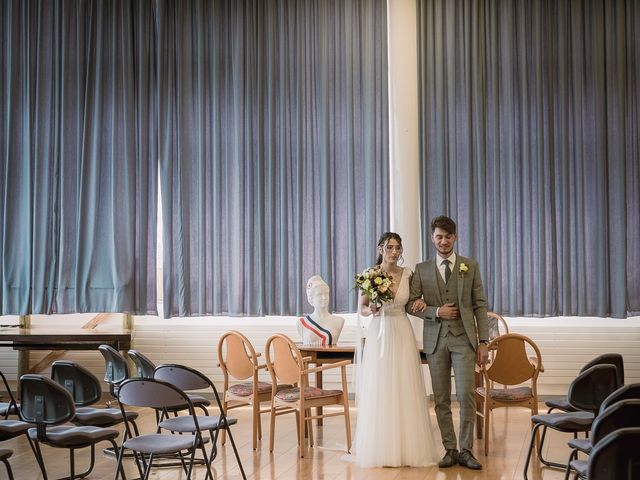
456	352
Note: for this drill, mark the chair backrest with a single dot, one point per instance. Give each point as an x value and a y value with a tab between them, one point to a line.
497	325
589	389
609	358
185	378
10	407
144	366
511	364
625	413
284	359
84	386
153	393
616	456
630	391
44	401
116	367
236	355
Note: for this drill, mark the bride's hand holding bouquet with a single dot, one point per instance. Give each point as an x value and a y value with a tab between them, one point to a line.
375	284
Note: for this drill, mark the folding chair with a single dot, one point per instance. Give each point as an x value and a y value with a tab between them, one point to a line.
49	406
622	414
145	368
86	390
156	394
186	378
10	407
616	456
606	358
586	393
5	453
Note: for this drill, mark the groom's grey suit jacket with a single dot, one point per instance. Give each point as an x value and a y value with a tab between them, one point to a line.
470	301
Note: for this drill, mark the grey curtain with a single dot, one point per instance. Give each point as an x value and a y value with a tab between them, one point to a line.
530	121
78	157
273	151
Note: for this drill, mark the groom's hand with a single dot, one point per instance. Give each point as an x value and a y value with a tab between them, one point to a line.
482	354
449	311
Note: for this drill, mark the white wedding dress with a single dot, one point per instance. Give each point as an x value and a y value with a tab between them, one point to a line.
394	426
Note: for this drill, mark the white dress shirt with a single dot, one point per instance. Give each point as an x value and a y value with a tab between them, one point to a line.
451	258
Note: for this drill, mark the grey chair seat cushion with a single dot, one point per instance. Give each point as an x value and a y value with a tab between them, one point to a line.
582	444
73	436
560	403
102	417
566	421
4	406
159	444
185	423
12	428
580	467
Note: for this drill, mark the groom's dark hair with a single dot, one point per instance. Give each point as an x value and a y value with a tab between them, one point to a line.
445	223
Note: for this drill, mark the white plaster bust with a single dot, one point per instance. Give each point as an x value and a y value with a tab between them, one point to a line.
320	327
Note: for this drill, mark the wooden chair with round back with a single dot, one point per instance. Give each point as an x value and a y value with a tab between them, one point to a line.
240	367
513	368
287	366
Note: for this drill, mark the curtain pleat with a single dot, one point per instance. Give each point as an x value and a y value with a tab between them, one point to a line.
529	126
78	178
273	151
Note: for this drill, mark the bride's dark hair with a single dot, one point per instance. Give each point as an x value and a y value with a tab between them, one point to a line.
384	238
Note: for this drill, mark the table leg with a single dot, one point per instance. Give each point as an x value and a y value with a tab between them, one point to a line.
319	385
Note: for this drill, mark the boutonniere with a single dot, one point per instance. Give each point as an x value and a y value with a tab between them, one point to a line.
463	268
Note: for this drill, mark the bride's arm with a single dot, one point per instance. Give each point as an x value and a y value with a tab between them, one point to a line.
415	296
367	308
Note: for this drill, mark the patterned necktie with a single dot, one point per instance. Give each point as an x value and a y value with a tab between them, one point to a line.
447	270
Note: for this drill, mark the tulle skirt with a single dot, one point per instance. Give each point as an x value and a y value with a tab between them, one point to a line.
393	426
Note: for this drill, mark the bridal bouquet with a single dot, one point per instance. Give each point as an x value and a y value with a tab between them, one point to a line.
375	284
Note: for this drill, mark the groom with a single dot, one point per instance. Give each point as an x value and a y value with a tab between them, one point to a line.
455	335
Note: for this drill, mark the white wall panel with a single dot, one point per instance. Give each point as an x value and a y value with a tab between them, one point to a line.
566	343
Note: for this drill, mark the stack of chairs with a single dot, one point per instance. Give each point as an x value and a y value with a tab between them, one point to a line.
586	394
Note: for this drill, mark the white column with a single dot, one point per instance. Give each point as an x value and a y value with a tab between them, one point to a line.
403	126
404	155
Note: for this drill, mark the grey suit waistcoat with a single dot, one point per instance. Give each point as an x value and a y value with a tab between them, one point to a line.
449	294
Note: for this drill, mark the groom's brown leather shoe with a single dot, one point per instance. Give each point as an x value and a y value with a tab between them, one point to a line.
466	459
449	460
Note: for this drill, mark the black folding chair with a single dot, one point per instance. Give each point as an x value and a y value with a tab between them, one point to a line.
626	392
10	407
156	394
49	406
606	358
116	368
145	368
187	378
625	413
86	390
586	392
616	456
5	453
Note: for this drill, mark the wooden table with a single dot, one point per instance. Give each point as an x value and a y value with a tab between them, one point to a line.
26	339
63	339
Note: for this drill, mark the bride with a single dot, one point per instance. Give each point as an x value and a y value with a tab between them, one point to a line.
393	424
